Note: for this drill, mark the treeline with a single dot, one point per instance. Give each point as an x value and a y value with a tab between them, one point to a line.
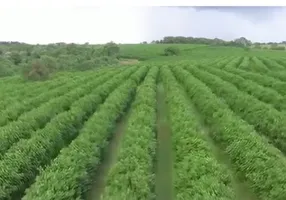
37	62
272	46
240	42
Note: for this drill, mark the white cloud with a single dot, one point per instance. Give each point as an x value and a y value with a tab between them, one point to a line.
213	23
55	22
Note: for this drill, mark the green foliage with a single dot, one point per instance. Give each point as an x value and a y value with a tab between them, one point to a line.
239	103
48	142
60	99
137	148
76	164
49	62
96	62
193	156
171	51
111	49
53	133
256	162
240	42
281	48
264	80
36	71
16	58
6	67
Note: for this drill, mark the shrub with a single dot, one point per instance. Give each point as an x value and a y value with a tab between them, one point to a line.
37	70
16	58
171	51
277	48
6	67
49	62
111	49
97	62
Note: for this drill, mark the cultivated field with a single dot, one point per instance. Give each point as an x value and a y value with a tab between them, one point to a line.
191	129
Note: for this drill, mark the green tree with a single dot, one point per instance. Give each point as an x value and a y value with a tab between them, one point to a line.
111	49
16	58
171	51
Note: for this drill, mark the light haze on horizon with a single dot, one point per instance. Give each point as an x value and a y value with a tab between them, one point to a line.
136	24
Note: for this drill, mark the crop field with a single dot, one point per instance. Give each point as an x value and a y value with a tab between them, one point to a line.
191	129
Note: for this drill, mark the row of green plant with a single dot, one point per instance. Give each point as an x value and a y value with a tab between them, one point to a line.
193	156
37	118
14	109
264	117
265	94
257	163
22	162
70	174
132	175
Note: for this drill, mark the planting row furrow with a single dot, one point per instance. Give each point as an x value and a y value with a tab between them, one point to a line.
272	65
21	163
234	62
197	173
279	75
280	61
262	93
258	65
135	180
245	64
12	112
264	80
31	89
70	174
266	119
259	164
37	118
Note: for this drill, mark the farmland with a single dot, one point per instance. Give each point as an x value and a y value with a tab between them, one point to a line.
207	124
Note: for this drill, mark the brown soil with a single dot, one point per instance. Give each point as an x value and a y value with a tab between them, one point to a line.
128	61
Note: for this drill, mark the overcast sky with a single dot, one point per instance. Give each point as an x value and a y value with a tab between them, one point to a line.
131	25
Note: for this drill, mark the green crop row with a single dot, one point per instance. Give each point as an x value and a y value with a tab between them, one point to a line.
234	62
263	80
197	173
38	117
259	66
70	175
245	64
265	94
257	163
271	64
12	112
132	176
22	161
262	116
24	91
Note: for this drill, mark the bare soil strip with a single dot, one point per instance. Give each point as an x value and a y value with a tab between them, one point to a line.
164	183
109	157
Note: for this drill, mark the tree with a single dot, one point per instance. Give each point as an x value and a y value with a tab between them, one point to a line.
171	51
111	49
6	67
39	69
16	58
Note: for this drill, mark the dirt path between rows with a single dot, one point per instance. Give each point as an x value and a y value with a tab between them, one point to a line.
240	188
109	157
164	183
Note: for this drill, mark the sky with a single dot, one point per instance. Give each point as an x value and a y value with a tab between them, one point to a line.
46	23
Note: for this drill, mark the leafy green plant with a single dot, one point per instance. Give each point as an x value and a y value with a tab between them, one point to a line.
171	51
